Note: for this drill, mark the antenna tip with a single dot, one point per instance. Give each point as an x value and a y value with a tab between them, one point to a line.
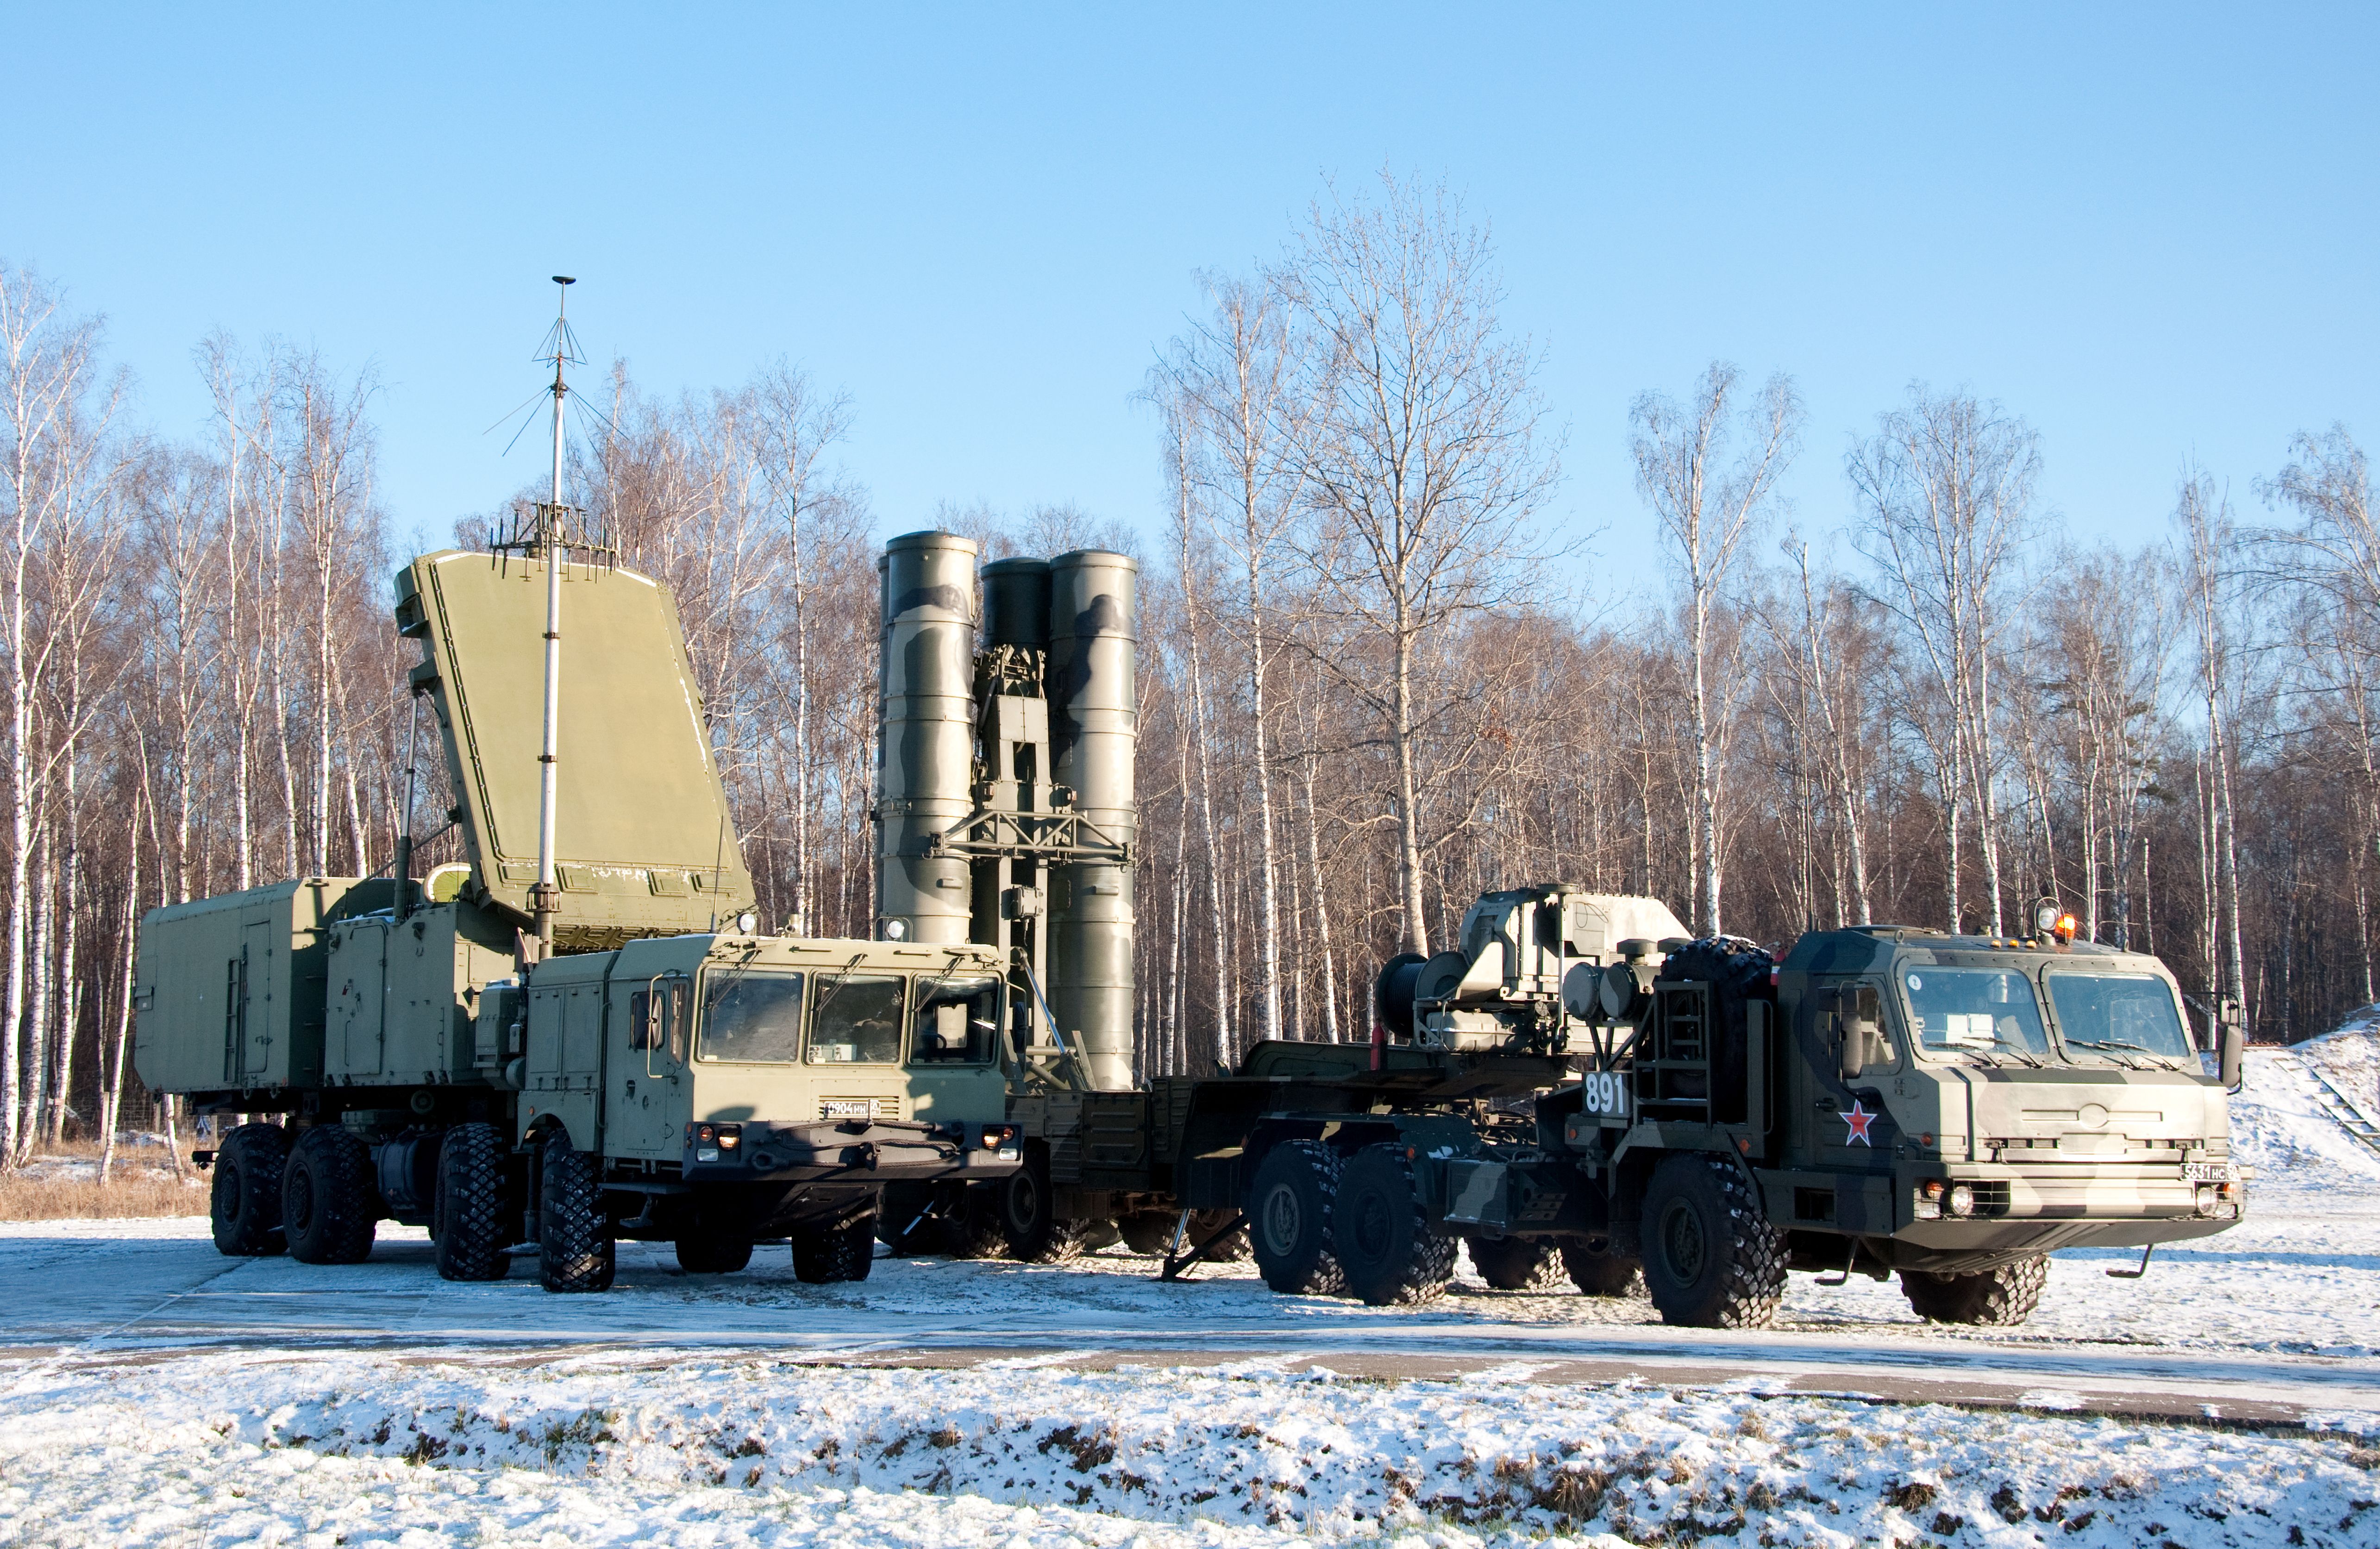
565	279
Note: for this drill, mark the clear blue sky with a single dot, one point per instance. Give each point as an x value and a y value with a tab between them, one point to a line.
2150	230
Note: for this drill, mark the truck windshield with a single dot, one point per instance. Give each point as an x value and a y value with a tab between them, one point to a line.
752	1013
1979	1008
956	1019
2125	1013
859	1020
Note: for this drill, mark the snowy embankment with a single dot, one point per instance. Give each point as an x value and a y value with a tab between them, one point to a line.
686	1449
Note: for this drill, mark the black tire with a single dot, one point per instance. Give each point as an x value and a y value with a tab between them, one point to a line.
1149	1233
1029	1214
575	1251
975	1231
245	1202
831	1254
1711	1258
1518	1265
328	1202
702	1252
1289	1219
474	1227
910	1221
1229	1249
1737	972
1601	1274
1380	1237
2001	1297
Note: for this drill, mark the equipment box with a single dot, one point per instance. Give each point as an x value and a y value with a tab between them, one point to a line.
404	995
228	992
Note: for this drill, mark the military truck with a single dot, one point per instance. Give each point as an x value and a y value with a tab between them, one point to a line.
1883	1100
668	1074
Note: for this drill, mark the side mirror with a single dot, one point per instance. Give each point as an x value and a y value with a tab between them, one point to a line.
1858	1016
1854	1048
2233	1043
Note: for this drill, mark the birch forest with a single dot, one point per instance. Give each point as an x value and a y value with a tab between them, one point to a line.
1386	662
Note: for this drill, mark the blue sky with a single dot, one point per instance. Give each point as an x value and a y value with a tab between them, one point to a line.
2148	230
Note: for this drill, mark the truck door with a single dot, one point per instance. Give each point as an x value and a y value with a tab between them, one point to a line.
649	1022
1843	1119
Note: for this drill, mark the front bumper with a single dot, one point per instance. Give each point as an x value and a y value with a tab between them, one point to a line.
2131	1203
848	1151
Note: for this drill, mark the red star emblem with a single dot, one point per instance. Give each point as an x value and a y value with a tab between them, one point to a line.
1858	1119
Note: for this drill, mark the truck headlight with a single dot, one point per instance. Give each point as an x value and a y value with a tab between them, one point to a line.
2207	1196
1962	1200
1927	1205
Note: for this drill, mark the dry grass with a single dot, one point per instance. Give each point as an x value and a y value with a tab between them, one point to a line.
61	1184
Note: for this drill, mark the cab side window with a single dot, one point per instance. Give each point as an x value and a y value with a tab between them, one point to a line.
956	1021
859	1020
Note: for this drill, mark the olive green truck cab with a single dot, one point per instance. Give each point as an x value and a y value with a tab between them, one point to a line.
398	1055
1564	1096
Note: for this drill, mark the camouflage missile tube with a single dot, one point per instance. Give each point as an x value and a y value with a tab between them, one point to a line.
926	737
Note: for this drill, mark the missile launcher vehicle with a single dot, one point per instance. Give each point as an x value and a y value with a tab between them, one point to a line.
666	1074
1610	1100
1579	1089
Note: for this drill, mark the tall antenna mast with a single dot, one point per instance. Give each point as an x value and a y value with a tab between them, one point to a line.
545	900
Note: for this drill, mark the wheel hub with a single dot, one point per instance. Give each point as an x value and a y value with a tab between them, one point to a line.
1282	1219
1681	1243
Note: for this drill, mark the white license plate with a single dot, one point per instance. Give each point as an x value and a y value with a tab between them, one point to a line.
2210	1172
855	1107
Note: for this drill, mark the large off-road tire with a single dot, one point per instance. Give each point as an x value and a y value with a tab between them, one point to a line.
1711	1258
1149	1232
910	1220
1029	1214
1517	1264
1737	972
329	1200
828	1253
975	1231
1602	1274
1384	1246
1231	1249
1289	1219
474	1227
2001	1297
575	1251
245	1203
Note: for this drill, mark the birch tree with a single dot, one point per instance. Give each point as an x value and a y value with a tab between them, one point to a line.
1421	455
1706	467
1946	490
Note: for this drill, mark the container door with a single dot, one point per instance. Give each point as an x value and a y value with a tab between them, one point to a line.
258	965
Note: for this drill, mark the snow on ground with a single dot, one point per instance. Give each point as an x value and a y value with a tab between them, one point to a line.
686	1448
644	1439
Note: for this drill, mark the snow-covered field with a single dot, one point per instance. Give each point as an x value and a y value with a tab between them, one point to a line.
152	1396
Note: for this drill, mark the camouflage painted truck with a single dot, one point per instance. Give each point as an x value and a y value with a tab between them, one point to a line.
1603	1093
667	1075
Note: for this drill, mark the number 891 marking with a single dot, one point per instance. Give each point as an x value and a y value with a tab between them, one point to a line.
1605	1091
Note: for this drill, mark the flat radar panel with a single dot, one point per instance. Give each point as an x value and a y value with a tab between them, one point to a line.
642	839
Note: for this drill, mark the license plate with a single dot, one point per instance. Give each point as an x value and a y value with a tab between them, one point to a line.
854	1107
2210	1172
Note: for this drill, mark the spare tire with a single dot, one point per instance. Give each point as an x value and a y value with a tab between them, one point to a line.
1737	972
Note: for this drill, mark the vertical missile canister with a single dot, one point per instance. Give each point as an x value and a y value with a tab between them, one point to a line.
925	747
1094	724
1016	603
